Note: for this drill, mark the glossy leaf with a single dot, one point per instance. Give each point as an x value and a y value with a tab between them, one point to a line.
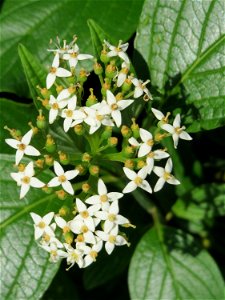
34	23
201	203
167	264
25	268
183	44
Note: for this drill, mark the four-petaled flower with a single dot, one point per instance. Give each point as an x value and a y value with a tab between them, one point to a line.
23	146
42	225
118	51
140	89
146	145
63	178
73	56
137	180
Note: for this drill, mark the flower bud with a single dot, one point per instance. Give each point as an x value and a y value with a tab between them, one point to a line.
86	157
49	160
39	163
135	129
103	57
119	96
126	132
79	129
86	187
50	145
44	92
69	236
107	132
94	170
129	163
91	100
128	151
47	189
82	170
63	158
64	211
61	194
59	88
41	121
127	85
113	141
98	68
35	129
106	86
110	71
141	164
21	167
15	133
83	75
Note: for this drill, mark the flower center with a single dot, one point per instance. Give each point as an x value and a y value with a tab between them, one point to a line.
26	179
71	89
80	238
84	214
151	154
138	180
62	178
53	253
93	254
69	113
112	239
150	142
167	176
99	117
73	55
178	130
53	70
46	237
112	217
55	106
66	229
21	146
41	224
114	106
103	198
84	229
74	256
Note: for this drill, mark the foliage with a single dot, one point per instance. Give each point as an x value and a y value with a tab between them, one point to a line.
176	250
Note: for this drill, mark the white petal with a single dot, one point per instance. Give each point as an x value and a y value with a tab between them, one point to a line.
30	150
93	200
185	136
176	122
63	72
89	222
71	174
102	190
112	53
135	81
129	173
50	79
103	235
27	137
159	171
67	124
47	218
169	128
121	78
109	247
38	233
36	218
122	104
124	56
159	154
84	56
116	115
60	222
114	196
73	62
133	142
54	182
53	113
13	143
146	186
114	208
55	62
150	164
175	137
121	220
24	189
17	177
29	170
89	237
19	156
145	135
138	92
94	208
158	114
80	205
102	215
159	184
169	165
144	150
111	99
173	180
108	225
120	241
130	187
67	186
64	94
35	182
58	169
143	173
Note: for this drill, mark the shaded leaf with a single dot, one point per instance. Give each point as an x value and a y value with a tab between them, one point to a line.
167	264
25	268
183	44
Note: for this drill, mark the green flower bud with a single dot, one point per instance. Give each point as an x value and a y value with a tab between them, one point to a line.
126	132
86	187
47	190
98	68
61	194
127	85
94	170
86	157
113	141
135	129
64	211
91	100
129	163
68	236
141	164
41	121
79	129
82	170
63	158
39	163
128	151
106	86
103	57
50	145
59	88
83	75
49	160
110	71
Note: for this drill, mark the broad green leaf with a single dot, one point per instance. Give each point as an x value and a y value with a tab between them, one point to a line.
34	23
184	40
9	111
25	268
168	264
35	73
201	203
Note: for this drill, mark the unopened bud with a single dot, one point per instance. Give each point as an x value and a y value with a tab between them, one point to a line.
83	75
129	163
79	129
128	151
39	163
94	170
61	194
63	158
49	160
141	164
64	211
106	86
86	187
91	100
126	131
127	85
21	167
44	92
41	121
135	129
82	170
110	71
47	189
68	236
98	68
35	129
104	57
107	132
113	141
86	157
15	133
50	145
59	88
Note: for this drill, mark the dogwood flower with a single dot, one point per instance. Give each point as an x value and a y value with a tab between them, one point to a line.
25	179
176	131
114	107
90	253
137	180
155	155
111	217
140	88
73	56
23	146
118	51
103	198
147	142
122	75
56	71
55	253
112	239
42	225
63	178
73	256
164	175
85	232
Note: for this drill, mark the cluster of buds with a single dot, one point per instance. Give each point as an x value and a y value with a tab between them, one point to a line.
90	219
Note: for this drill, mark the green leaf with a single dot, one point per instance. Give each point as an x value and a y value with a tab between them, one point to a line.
97	36
34	23
25	268
34	71
10	111
201	203
184	41
167	264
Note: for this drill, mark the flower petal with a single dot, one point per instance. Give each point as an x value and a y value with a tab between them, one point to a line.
54	182
116	115
111	99
130	187
35	182
158	114
109	247
50	79
129	173
176	122
48	218
145	135
146	186
19	156
71	174
24	189
27	137
67	186
169	165
144	150
58	169
159	184
13	143
63	72
80	205
30	150
29	170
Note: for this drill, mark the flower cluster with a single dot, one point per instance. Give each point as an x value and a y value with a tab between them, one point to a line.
103	127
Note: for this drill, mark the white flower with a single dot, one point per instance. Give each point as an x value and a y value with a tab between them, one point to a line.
90	252
114	107
55	253
56	71
137	180
41	225
66	94
118	51
122	75
86	214
164	175
70	114
65	226
155	155
85	232
73	56
112	239
73	256
103	198
111	217
146	145
63	178
23	146
176	131
56	106
140	88
158	114
25	179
